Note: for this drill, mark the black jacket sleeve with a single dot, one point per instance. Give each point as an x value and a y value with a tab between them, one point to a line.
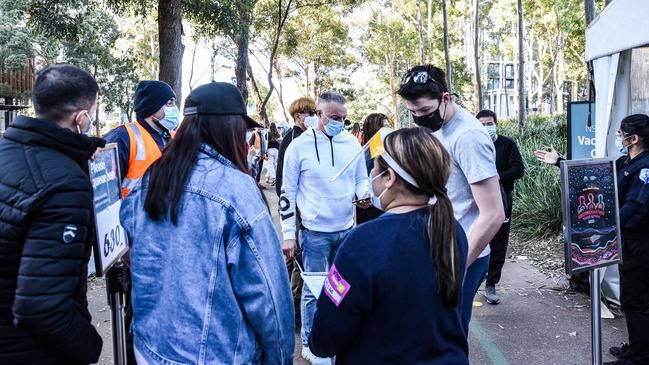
120	136
49	275
515	166
636	206
280	163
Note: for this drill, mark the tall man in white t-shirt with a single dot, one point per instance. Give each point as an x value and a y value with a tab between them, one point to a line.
473	185
326	207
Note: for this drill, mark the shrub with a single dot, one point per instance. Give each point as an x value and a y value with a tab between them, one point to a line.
537	197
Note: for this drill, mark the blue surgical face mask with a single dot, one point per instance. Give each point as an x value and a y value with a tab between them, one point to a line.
620	145
491	129
248	136
91	126
376	200
171	118
334	127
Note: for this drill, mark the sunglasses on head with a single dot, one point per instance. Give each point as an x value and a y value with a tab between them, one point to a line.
419	78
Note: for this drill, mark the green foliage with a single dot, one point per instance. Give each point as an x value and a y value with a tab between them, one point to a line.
537	198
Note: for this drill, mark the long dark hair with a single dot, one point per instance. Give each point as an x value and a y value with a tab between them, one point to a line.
372	124
420	154
169	174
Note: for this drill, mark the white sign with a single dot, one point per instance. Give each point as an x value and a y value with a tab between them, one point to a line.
112	241
314	281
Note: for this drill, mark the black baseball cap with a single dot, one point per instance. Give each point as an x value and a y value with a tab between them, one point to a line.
218	98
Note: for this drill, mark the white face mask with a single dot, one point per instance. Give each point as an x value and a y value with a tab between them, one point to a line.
376	200
311	121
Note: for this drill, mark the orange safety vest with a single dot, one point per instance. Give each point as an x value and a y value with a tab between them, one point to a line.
144	152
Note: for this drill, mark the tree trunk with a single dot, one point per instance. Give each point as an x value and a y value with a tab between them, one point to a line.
242	63
476	56
170	31
521	68
280	89
389	61
191	72
430	30
560	81
530	66
449	71
539	83
261	112
420	27
589	7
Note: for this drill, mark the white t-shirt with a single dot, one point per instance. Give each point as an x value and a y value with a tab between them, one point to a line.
474	159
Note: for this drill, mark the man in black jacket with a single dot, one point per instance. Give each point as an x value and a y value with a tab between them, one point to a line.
509	164
47	225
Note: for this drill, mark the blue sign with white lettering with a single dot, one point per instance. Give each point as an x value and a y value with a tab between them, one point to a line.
581	136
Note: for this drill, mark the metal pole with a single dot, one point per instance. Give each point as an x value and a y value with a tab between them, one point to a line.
114	280
596	316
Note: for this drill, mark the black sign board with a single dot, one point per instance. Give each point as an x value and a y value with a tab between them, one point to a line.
590	214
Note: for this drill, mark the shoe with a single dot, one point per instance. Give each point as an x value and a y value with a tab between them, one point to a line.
621	351
310	357
491	295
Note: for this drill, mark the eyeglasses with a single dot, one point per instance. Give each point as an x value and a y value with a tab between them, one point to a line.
420	78
311	112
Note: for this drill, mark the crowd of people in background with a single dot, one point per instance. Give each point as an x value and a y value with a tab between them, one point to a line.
405	235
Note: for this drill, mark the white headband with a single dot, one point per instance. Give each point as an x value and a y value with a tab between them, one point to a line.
401	172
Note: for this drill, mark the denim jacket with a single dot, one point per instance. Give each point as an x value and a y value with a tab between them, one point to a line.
212	289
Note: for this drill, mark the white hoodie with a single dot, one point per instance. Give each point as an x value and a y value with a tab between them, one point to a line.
310	162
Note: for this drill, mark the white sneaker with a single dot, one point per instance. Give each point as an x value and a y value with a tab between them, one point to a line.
310	357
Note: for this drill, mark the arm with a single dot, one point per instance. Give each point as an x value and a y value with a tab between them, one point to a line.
337	320
280	166
120	136
634	209
287	202
48	277
361	179
476	156
515	166
488	198
261	284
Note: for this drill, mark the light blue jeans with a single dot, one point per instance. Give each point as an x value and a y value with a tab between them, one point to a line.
318	253
473	278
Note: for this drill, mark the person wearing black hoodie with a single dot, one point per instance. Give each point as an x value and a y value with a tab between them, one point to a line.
47	224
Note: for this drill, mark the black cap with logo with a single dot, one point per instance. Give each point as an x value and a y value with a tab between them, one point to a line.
218	98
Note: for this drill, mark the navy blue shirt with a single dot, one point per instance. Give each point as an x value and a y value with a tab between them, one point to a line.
380	304
633	196
120	136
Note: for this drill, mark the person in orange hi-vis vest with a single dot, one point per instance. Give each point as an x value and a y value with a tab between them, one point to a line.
139	145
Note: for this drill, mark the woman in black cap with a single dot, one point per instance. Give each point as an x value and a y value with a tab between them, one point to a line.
209	281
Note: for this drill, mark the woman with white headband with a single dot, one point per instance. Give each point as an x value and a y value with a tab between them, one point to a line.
393	292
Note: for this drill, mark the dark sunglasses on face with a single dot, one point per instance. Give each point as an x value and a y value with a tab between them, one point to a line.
311	112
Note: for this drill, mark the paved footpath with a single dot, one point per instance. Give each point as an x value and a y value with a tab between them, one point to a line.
537	323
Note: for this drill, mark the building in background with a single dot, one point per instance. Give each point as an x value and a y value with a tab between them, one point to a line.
15	90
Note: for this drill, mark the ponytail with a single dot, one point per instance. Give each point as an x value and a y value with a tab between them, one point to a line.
444	251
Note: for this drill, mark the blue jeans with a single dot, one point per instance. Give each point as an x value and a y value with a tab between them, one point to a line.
475	274
318	252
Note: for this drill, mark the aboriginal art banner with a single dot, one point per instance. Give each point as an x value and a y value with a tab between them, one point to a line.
591	221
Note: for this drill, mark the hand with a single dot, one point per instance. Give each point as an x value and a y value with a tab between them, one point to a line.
288	247
94	155
550	157
364	202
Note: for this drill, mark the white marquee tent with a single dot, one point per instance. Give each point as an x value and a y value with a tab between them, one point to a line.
614	43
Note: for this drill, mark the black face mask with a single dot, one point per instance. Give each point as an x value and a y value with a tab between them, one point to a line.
432	121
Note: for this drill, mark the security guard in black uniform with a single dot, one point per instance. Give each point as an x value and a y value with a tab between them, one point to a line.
633	195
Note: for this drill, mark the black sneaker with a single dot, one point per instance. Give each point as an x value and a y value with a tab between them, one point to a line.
621	351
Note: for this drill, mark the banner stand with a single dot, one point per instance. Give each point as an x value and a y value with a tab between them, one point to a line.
595	316
115	288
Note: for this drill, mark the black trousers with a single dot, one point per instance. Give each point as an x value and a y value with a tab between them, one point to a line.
499	248
634	296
